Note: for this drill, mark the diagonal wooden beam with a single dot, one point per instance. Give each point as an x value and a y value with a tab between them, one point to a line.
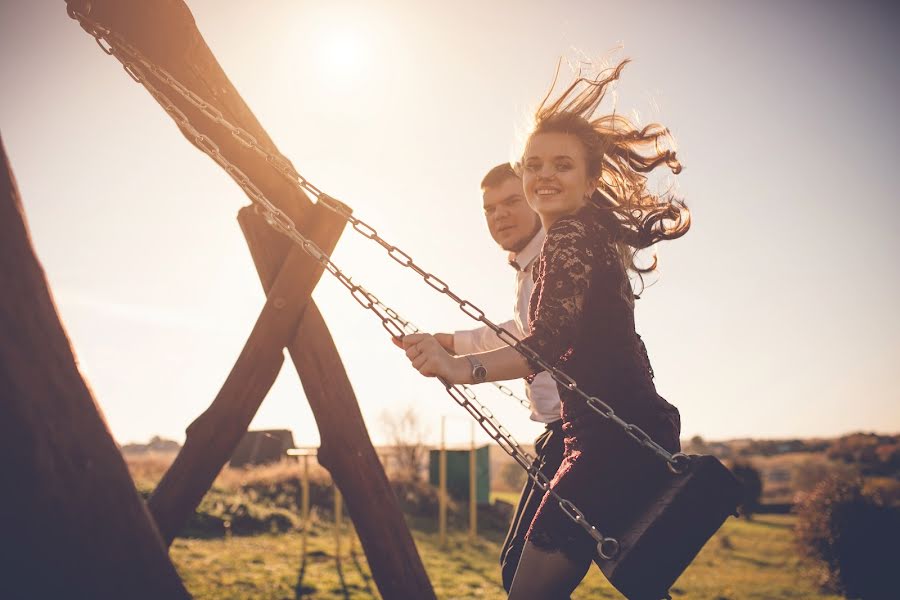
72	523
346	449
213	436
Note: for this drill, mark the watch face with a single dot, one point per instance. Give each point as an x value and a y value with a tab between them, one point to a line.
479	373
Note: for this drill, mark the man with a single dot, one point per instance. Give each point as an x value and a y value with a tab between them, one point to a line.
516	229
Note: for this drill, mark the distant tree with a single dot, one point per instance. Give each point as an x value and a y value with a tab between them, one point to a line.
853	536
698	445
874	454
888	456
408	435
752	485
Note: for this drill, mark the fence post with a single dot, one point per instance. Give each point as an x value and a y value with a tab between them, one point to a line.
442	482
473	493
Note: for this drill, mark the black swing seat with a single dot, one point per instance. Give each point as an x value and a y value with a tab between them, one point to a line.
666	531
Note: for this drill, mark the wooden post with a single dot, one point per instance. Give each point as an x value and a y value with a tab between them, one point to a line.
304	454
304	507
213	436
71	522
442	486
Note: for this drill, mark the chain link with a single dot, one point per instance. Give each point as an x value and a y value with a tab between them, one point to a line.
135	65
409	327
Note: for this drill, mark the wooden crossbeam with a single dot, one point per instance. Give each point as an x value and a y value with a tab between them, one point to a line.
71	522
214	435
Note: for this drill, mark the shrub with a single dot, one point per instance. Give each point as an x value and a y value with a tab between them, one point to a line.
751	485
807	474
852	537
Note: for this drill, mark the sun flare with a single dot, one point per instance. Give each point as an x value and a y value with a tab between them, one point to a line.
343	55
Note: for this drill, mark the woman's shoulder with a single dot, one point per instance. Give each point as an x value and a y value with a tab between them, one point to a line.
582	227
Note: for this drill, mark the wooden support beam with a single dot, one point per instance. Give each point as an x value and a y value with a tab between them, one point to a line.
72	524
213	436
346	449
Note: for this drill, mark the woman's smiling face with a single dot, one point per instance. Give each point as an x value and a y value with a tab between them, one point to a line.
554	175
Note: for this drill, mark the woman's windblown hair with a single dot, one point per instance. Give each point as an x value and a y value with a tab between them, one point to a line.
620	155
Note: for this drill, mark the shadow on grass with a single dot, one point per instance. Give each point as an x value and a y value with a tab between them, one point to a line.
340	574
301	591
492	580
763	564
758	520
366	578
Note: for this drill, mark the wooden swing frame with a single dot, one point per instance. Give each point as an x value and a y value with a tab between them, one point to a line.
64	537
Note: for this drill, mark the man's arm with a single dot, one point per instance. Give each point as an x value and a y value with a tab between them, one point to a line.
476	340
431	360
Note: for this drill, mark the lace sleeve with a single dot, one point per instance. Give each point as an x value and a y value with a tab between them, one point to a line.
563	278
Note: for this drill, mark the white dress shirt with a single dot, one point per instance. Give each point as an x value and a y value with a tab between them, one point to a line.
541	392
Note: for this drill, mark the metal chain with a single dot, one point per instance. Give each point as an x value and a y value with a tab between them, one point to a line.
409	327
607	547
466	397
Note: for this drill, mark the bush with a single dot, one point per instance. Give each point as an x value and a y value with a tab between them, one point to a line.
852	536
751	487
809	473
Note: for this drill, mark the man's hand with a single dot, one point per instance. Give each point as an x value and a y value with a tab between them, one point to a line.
430	359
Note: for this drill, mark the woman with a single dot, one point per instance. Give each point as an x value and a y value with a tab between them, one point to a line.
584	176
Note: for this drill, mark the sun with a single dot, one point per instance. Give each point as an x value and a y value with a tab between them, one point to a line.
343	55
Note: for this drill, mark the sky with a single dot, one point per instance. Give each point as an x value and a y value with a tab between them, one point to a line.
775	316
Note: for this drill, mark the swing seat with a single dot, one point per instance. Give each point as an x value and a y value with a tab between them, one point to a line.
669	529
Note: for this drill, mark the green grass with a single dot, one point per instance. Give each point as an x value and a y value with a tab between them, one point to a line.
508	497
746	560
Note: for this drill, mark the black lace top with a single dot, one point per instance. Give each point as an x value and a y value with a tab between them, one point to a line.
582	320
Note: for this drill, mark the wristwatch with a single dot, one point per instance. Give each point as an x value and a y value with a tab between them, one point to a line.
479	373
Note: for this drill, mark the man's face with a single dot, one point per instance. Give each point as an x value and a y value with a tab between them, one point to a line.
510	220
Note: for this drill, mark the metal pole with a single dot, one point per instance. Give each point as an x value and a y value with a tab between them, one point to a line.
473	509
442	493
304	500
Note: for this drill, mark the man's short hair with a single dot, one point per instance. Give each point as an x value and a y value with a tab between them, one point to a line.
498	175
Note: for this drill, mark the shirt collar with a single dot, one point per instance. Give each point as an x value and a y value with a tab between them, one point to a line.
522	259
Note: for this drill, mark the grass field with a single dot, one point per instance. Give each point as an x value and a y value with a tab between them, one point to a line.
746	560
